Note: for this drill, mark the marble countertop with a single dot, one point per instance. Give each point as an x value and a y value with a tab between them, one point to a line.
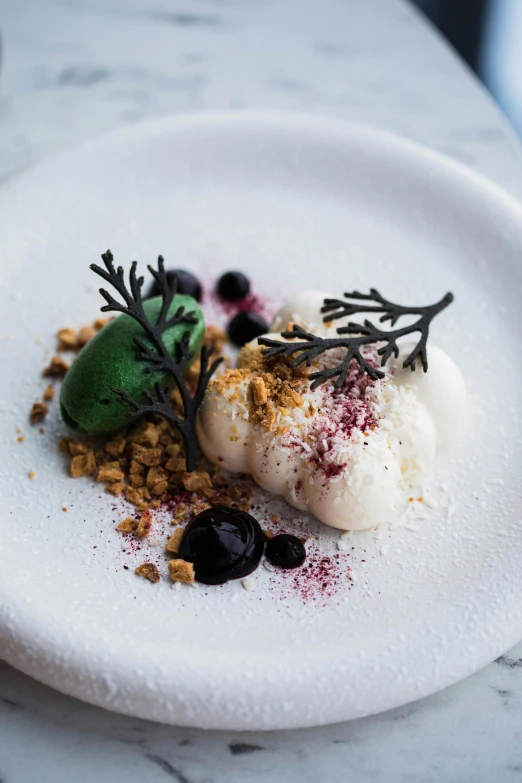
72	68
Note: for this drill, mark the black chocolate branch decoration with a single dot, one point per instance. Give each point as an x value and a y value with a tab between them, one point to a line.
308	346
156	355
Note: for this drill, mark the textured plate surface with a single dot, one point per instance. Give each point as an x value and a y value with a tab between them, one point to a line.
297	203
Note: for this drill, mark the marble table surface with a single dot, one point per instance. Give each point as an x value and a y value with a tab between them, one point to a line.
72	68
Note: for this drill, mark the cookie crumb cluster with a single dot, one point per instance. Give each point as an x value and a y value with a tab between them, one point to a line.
273	388
143	463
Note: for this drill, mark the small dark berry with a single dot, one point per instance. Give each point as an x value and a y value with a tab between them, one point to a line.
285	551
233	286
246	326
187	284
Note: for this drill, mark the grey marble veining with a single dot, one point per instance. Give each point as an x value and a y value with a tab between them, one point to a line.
73	68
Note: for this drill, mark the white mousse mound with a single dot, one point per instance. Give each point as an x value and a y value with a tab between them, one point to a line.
348	455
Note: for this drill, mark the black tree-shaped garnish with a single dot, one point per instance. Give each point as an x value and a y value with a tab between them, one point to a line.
158	357
310	346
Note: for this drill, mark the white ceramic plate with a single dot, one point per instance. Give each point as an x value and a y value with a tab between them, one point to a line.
297	203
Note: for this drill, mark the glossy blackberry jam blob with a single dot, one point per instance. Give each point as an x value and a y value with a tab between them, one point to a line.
222	543
285	551
187	284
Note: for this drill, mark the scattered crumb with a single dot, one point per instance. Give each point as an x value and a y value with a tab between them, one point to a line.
85	334
174	541
149	571
76	447
110	472
31	474
38	412
65	508
128	525
248	584
20	438
116	489
196	482
49	393
180	514
83	465
67	340
144	525
57	368
115	448
181	571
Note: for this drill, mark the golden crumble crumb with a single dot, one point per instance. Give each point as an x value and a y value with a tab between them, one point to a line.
145	434
180	513
136	467
85	334
115	448
198	507
77	447
38	412
155	503
132	495
110	472
149	571
63	445
56	368
148	457
156	475
196	482
83	465
176	464
144	525
127	525
20	438
158	489
100	323
215	337
41	430
31	474
259	391
181	571
275	517
49	393
244	505
65	508
116	489
174	542
268	534
67	340
137	480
